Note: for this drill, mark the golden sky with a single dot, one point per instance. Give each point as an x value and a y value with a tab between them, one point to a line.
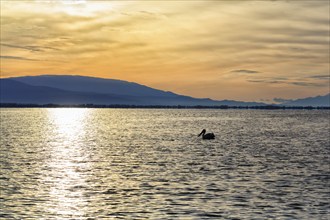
242	50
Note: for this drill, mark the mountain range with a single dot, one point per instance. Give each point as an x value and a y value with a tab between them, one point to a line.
321	101
72	89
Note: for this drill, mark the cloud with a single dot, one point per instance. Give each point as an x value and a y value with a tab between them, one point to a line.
245	71
288	81
265	81
307	84
30	48
16	58
322	77
281	100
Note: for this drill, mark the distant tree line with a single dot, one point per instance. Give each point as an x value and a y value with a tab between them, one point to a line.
266	107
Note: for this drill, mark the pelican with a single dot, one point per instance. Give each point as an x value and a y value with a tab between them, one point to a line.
206	136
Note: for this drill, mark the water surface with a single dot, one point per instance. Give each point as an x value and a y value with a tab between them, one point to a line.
150	164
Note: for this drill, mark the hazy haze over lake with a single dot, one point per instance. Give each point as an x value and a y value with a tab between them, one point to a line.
150	164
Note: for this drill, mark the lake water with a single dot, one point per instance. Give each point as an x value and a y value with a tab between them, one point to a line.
150	164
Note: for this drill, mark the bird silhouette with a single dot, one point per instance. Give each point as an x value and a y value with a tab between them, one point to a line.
207	136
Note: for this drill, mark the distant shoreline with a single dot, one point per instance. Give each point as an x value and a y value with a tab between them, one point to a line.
266	107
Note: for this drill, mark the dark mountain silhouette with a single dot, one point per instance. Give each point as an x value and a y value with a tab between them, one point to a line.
64	89
12	91
93	85
310	101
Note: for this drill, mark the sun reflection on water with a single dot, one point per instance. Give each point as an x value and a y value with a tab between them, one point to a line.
68	122
67	163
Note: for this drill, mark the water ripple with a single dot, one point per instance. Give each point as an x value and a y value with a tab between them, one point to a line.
150	164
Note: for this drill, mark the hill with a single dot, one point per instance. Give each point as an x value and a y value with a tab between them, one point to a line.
12	91
69	89
310	101
63	89
93	85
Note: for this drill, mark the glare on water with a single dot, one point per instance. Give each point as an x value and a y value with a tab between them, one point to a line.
67	157
68	122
